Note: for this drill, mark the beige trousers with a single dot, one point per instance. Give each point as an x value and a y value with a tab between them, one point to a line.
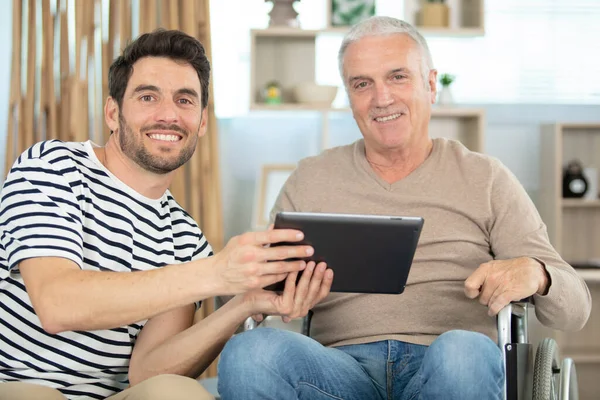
172	387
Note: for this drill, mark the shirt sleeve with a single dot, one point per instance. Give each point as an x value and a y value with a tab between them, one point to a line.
203	250
39	214
517	230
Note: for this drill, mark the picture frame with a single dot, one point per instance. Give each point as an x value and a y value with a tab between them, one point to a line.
270	181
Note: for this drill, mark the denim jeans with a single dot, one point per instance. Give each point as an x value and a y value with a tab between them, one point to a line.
268	363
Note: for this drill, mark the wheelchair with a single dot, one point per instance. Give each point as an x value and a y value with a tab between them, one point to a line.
545	378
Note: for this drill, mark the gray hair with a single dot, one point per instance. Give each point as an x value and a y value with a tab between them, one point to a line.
382	26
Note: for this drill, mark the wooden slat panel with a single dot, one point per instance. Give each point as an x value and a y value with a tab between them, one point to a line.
174	14
196	186
27	136
15	87
152	15
211	211
164	14
49	75
63	126
124	23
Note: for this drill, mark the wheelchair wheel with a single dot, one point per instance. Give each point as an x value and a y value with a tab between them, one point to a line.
568	381
545	386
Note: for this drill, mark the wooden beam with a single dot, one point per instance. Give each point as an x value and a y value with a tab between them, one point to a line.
15	88
27	136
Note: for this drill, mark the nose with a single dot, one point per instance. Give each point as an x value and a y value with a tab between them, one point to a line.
383	95
167	112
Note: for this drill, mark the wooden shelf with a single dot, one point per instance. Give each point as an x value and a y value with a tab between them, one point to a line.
580	203
456	112
342	30
579	358
466	125
591	275
436	111
295	107
282	31
451	32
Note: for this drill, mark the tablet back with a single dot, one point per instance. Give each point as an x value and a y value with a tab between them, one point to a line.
368	253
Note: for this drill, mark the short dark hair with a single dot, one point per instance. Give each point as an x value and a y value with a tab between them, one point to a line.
172	44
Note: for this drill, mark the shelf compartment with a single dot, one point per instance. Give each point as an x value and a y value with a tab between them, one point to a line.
580	234
464	125
284	55
466	16
583	203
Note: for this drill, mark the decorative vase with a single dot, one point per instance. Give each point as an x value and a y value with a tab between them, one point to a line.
283	13
574	182
445	96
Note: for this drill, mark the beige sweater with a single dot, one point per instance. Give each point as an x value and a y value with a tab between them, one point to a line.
475	210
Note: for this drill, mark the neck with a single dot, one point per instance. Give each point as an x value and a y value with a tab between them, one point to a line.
393	165
144	182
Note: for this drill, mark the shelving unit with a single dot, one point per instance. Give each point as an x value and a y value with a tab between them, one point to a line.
287	54
573	224
574	230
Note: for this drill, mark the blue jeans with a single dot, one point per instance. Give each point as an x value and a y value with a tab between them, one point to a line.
269	363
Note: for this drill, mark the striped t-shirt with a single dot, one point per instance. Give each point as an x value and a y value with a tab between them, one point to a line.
58	200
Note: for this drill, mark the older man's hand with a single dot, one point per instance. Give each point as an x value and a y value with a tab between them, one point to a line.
497	283
297	299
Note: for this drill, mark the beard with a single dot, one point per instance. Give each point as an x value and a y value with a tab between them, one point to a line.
133	147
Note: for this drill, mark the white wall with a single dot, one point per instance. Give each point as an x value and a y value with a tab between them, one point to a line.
511	135
5	61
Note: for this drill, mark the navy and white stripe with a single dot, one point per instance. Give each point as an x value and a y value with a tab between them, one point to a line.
59	201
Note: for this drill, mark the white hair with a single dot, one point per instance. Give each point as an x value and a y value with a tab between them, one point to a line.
383	26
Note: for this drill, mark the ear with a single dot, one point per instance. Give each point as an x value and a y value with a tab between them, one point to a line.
111	114
203	122
433	84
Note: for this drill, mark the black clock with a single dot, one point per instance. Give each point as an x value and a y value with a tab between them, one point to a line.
574	183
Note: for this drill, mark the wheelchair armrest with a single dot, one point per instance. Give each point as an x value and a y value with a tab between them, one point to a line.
250	324
512	323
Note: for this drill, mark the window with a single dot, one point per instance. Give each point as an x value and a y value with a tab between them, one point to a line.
533	51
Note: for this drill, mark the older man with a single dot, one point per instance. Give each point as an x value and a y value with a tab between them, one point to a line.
482	246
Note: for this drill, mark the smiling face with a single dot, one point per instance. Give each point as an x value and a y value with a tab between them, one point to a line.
161	117
390	101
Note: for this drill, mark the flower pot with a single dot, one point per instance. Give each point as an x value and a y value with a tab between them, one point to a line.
445	96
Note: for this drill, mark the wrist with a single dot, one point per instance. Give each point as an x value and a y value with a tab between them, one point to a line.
206	280
544	282
242	306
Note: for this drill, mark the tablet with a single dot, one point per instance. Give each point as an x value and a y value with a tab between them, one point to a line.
367	253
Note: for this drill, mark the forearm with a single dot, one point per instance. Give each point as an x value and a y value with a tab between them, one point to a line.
191	351
567	304
91	300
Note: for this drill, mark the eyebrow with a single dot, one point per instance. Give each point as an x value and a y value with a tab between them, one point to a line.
143	88
153	88
359	77
402	69
188	91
